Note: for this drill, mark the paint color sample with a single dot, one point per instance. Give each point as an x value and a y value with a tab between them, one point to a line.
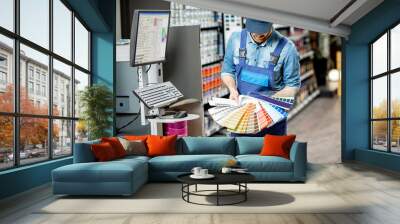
251	114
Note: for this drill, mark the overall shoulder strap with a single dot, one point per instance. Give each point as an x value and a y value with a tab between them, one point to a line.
242	52
275	56
242	48
278	50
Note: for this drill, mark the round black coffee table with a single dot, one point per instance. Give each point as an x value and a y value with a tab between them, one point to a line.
238	179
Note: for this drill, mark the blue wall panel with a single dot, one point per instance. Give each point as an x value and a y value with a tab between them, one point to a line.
356	99
355	115
379	159
103	63
24	178
103	52
102	58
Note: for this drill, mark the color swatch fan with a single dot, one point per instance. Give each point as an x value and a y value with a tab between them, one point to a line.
250	114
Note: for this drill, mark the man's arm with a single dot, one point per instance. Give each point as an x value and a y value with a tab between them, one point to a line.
291	73
229	70
230	82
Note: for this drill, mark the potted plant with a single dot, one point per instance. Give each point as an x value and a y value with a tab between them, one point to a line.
96	104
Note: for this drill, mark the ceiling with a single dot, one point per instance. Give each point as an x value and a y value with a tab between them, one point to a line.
327	16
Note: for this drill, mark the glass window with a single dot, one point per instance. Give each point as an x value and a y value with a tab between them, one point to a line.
6	142
35	143
35	21
40	62
3	61
37	89
395	47
3	78
62	71
379	56
379	98
395	136
7	14
30	87
395	95
33	139
30	71
62	29
62	137
37	74
379	135
384	81
81	82
81	45
81	131
6	71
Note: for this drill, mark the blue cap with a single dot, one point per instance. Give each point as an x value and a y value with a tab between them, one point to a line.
257	26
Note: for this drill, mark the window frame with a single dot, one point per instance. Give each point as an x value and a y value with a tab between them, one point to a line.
388	74
16	114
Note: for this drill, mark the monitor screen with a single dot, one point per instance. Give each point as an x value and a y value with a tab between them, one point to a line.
149	36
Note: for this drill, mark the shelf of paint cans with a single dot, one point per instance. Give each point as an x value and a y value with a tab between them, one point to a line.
210	46
183	15
212	83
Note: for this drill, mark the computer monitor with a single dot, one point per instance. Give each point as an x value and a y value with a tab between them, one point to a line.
149	35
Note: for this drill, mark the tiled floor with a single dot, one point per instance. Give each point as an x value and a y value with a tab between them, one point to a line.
319	126
377	190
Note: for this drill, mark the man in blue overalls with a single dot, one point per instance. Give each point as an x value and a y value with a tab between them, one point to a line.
259	59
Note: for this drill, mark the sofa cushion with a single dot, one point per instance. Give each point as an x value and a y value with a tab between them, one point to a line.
277	145
161	145
112	171
257	163
83	152
207	145
249	145
116	145
103	152
136	147
185	163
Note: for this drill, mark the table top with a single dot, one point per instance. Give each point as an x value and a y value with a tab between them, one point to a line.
220	178
173	120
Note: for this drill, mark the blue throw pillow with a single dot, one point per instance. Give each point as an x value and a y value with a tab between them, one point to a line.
208	145
249	145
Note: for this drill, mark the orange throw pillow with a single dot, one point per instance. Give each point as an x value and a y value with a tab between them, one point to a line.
276	145
136	137
161	145
103	152
116	145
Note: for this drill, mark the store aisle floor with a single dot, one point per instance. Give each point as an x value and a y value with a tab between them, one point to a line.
319	126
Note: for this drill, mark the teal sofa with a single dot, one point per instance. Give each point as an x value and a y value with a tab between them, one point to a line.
125	176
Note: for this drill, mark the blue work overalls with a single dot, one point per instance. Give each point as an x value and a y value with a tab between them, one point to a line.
256	79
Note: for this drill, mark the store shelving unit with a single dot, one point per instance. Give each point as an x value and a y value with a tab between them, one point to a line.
309	87
211	50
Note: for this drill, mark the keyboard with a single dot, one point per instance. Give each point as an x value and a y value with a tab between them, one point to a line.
158	95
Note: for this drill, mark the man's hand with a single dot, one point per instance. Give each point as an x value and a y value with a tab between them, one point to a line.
234	95
287	92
